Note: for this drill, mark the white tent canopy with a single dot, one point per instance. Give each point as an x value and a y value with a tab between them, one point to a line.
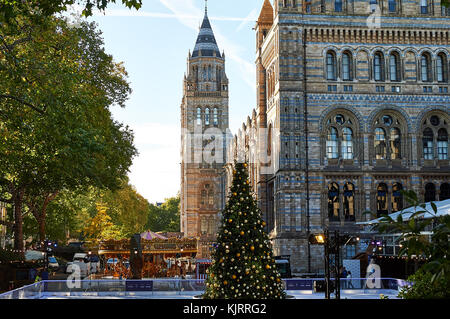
443	208
34	255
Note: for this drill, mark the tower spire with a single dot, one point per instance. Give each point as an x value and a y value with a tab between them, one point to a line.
206	44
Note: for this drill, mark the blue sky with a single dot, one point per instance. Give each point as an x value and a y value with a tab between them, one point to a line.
154	43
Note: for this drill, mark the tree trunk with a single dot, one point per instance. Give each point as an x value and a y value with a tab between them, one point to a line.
42	216
41	222
18	221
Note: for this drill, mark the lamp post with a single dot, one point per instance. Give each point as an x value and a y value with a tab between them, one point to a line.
332	246
45	252
329	250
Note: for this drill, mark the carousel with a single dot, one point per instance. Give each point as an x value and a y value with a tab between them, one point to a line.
161	257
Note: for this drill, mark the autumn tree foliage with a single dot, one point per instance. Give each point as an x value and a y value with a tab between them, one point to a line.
100	227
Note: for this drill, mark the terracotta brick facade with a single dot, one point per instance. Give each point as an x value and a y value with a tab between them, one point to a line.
351	81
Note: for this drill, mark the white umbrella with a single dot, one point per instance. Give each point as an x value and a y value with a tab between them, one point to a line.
34	255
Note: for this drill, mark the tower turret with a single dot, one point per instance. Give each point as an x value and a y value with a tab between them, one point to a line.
204	124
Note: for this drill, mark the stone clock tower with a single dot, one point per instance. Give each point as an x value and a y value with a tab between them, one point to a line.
204	124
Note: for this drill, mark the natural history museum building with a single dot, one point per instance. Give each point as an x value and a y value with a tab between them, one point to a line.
352	107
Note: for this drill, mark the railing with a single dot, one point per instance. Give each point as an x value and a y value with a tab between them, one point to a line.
189	287
48	288
348	283
207	94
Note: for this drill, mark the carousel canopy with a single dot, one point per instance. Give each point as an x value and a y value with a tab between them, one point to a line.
443	208
149	235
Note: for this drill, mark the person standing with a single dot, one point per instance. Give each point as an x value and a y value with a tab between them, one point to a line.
349	279
32	274
44	275
344	276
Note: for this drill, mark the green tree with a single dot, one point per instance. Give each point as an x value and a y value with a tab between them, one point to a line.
436	271
128	209
424	287
56	128
67	215
166	217
242	264
10	8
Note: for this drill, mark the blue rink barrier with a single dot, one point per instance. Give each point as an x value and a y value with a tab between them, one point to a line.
139	285
171	287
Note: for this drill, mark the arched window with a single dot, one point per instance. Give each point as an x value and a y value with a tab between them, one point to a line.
208	225
394	67
204	197
307	6
199	116
396	142
332	143
426	6
392	4
397	197
441	68
349	202
430	192
445	11
428	147
207	195
380	143
210	196
382	202
331	66
346	66
196	73
388	137
340	138
347	143
333	202
218	74
444	192
425	68
338	5
216	117
435	137
209	73
205	74
207	116
378	66
442	144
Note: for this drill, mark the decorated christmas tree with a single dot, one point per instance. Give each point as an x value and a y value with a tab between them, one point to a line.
243	266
